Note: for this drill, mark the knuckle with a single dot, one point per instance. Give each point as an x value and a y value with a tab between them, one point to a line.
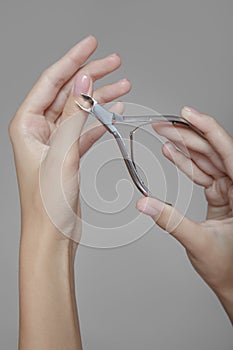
208	151
66	93
50	76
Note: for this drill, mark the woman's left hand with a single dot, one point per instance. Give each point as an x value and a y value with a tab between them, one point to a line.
45	134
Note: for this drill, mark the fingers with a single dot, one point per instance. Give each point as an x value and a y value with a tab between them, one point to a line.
186	165
54	111
64	143
89	136
82	84
187	232
198	159
205	164
95	131
51	81
104	94
113	91
218	138
187	141
95	70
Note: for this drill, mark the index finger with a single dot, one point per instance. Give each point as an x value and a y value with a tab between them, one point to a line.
53	78
217	136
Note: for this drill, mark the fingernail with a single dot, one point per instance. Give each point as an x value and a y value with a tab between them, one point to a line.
148	210
114	55
188	112
150	206
124	80
82	84
88	37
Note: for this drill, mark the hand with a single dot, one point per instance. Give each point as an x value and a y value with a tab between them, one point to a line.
209	244
46	120
40	130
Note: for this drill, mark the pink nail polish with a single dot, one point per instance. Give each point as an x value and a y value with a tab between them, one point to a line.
190	109
82	84
149	211
87	38
189	112
113	55
150	206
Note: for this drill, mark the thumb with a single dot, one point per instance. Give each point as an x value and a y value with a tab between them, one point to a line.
187	232
64	142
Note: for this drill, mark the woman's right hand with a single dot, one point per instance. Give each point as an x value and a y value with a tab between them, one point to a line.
209	244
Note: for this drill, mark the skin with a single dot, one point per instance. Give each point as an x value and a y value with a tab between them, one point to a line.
48	312
209	244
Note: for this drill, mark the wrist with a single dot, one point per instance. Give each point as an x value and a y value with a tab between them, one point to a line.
44	240
47	292
57	222
40	238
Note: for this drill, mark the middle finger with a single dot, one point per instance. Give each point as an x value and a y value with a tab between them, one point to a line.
187	140
95	69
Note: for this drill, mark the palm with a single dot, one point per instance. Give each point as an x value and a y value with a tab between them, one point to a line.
214	262
38	130
218	234
220	198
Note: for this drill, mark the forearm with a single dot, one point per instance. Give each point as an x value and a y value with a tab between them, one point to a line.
48	313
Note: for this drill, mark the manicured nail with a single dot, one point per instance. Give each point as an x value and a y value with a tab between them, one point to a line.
82	84
148	210
114	55
150	206
188	112
88	37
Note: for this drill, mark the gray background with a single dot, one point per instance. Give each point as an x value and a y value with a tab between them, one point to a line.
144	295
